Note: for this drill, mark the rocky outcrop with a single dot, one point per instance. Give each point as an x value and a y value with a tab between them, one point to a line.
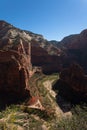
76	41
14	74
75	81
15	63
74	48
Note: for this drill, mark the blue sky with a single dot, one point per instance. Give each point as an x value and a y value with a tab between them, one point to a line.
54	19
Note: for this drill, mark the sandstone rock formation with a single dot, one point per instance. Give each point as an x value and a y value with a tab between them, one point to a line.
75	41
43	52
15	62
53	56
75	81
20	49
40	57
75	49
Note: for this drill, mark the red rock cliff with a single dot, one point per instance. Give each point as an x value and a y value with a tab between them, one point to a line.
15	62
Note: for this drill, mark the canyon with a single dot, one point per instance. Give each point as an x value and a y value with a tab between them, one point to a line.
42	79
21	51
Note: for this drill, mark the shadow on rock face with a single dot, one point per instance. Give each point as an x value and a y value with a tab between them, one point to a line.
66	96
7	99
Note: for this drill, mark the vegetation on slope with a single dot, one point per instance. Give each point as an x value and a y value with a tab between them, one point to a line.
21	117
77	122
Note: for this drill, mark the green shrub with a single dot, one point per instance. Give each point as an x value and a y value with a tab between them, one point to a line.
77	122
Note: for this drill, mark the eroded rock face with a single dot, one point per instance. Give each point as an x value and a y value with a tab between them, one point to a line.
14	74
50	63
57	55
15	63
43	52
75	81
75	49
